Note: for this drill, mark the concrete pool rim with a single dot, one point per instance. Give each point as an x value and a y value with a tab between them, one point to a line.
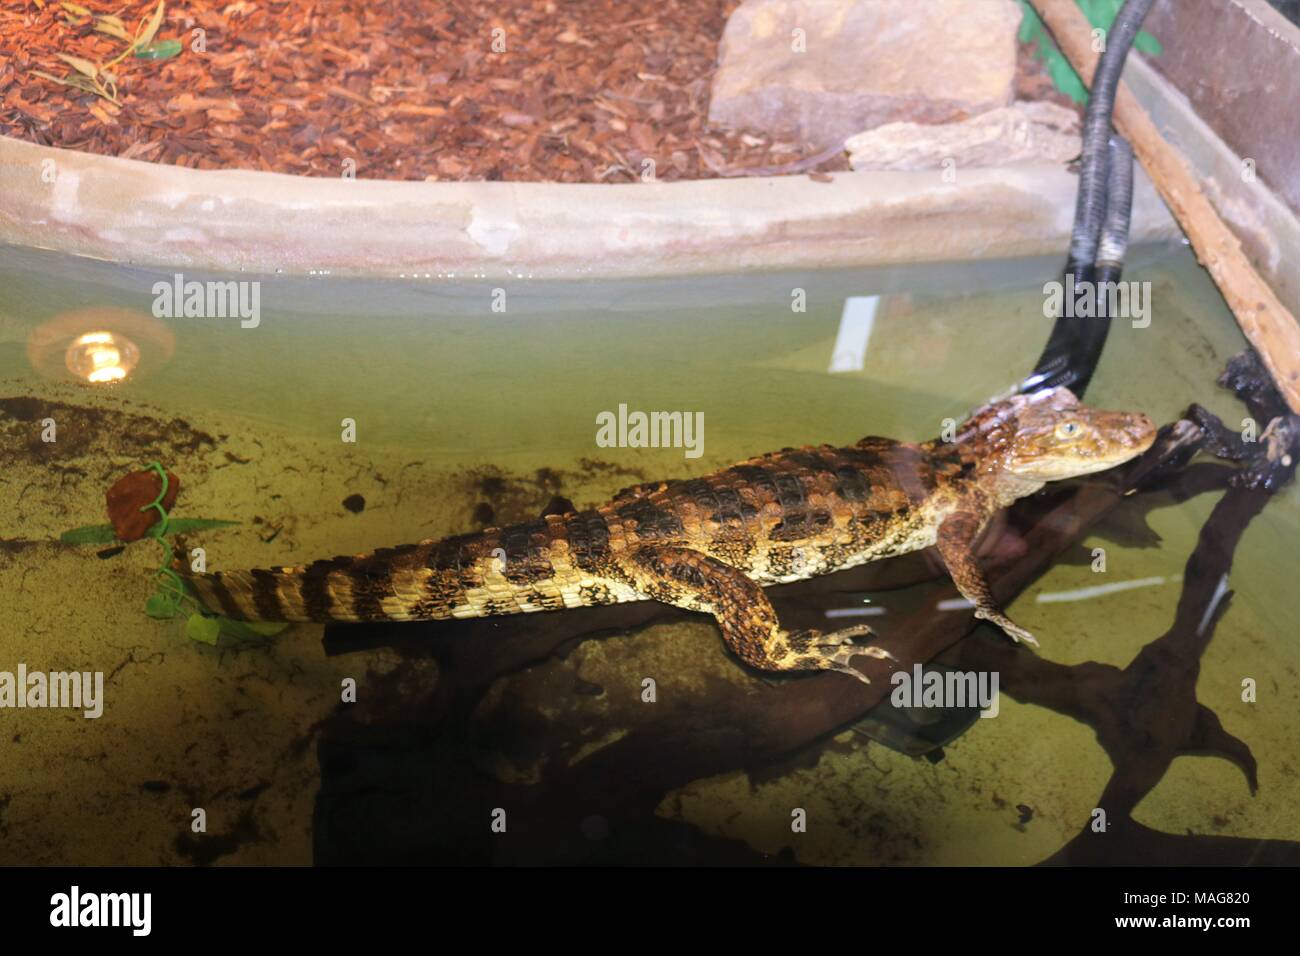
224	221
166	216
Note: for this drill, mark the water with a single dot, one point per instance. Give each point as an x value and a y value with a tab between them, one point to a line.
465	415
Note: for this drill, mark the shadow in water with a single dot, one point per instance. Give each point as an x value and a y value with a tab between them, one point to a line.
411	784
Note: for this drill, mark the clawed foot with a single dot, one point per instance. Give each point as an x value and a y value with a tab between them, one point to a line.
842	636
840	649
1009	627
852	672
841	643
834	651
840	659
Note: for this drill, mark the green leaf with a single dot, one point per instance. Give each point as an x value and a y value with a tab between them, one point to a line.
104	534
50	76
114	27
196	524
1067	81
160	606
250	630
1030	25
75	80
1100	13
203	629
266	628
151	29
90	534
79	64
1148	44
162	50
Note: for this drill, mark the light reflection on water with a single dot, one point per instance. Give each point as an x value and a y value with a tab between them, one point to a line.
430	372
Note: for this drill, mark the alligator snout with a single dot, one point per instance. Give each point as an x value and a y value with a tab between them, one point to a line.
1137	432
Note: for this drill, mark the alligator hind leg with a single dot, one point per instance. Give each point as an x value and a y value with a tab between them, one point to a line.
692	580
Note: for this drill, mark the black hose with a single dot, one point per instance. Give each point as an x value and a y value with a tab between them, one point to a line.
1109	266
1090	206
1074	347
1119	203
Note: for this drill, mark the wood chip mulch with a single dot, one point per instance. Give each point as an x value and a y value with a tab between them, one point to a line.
584	91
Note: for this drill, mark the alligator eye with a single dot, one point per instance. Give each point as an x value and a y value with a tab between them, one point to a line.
1067	430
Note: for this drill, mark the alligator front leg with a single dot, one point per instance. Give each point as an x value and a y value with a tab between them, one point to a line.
956	541
692	580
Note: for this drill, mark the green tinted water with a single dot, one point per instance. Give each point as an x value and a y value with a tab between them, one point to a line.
444	389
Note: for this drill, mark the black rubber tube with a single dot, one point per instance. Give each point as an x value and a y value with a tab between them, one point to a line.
1109	266
1090	206
1075	344
1119	204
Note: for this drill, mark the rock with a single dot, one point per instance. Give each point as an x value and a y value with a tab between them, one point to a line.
1038	132
823	70
132	492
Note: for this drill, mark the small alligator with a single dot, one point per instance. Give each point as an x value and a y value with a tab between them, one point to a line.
710	544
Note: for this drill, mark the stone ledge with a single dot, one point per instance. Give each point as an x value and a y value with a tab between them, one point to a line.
223	220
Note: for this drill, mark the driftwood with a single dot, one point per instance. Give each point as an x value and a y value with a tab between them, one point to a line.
1270	327
406	789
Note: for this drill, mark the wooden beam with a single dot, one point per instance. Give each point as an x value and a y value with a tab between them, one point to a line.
1266	322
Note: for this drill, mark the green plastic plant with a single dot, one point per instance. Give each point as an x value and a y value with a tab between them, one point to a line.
172	598
1100	13
99	78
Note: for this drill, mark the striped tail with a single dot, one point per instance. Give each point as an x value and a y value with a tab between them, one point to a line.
523	568
391	584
